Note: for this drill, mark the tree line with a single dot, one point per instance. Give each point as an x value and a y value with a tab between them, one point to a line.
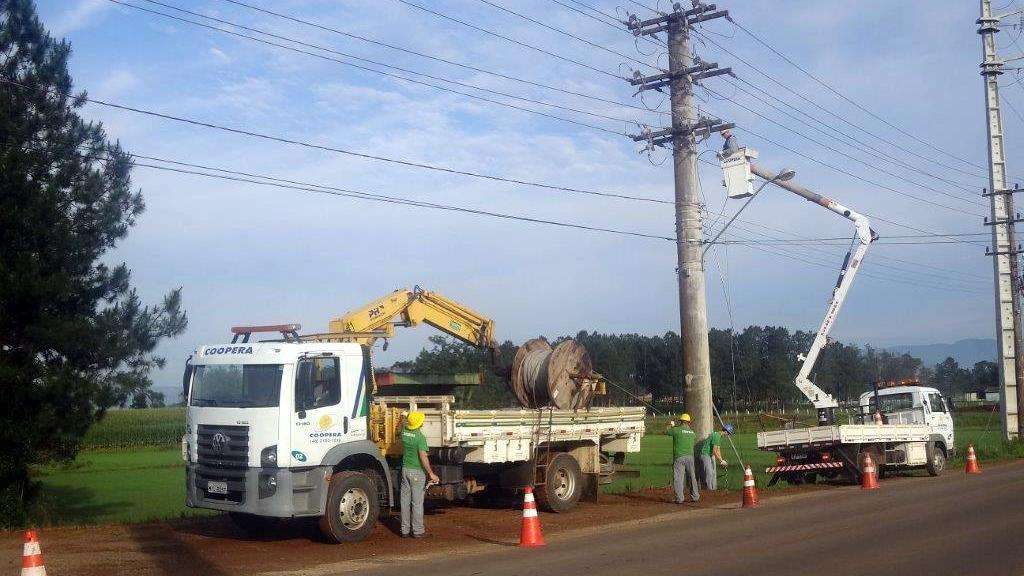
754	367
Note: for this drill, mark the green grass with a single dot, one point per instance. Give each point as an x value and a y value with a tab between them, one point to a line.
108	487
119	478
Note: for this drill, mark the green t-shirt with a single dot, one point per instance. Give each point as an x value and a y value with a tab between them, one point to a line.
682	441
714	440
413	441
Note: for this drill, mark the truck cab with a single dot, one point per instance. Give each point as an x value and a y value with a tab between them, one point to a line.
913	405
269	423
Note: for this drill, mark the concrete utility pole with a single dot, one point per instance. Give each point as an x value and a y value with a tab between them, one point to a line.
1003	221
686	127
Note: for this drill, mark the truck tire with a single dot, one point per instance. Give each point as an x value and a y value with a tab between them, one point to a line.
353	506
936	459
563	483
251	524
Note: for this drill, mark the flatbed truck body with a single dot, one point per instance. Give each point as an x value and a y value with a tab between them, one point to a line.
916	432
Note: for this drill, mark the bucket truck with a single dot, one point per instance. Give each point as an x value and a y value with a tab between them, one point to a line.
904	426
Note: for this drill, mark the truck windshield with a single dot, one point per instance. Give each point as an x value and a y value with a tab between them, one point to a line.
237	385
892	402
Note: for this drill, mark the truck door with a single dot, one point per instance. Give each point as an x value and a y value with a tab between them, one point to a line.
319	419
939	417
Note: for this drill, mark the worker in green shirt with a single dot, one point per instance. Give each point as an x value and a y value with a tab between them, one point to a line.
683	470
711	455
415	470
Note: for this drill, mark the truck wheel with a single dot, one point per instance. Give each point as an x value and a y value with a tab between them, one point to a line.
252	524
352	507
936	459
563	483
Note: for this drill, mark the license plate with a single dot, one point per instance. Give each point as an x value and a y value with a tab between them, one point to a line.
217	487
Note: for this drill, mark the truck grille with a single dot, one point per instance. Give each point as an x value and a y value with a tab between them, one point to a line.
222	455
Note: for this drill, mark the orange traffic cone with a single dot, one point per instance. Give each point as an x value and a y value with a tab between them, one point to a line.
972	460
749	489
530	535
32	556
869	477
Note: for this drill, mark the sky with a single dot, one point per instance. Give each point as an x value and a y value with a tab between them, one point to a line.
250	254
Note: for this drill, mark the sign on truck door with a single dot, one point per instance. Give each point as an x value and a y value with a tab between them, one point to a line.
327	411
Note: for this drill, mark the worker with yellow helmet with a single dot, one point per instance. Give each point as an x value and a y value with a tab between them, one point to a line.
415	471
684	470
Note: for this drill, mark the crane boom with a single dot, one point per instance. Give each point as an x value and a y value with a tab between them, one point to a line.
405	307
739	170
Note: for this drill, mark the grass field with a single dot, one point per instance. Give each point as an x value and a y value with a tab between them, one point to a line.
131	468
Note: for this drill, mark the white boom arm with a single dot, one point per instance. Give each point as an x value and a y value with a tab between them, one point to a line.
739	170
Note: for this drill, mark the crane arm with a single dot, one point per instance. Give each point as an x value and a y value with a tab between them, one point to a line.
736	163
822	400
405	307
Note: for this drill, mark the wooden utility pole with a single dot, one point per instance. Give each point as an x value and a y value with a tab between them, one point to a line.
1003	219
687	127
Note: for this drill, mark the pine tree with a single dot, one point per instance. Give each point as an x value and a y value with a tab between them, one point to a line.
75	339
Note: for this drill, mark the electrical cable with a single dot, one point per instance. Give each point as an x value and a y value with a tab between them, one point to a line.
839	117
438	58
506	38
381	72
566	33
859	145
325	148
847	99
854	158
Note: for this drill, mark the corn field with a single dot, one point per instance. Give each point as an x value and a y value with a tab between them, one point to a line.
134	428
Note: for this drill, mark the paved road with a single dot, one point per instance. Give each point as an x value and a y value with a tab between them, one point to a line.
949	525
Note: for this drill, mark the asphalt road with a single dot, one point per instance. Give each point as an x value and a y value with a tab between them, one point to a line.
953	524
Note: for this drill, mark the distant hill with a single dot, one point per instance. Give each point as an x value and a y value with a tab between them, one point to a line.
965	352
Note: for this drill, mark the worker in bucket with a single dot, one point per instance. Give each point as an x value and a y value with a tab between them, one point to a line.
415	471
684	471
711	456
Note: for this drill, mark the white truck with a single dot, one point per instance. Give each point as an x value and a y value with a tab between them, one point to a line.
909	426
292	428
900	427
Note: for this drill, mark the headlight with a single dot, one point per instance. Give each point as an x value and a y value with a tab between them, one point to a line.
268	457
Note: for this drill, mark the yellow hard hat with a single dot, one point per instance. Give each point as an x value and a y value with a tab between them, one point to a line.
415	420
685	417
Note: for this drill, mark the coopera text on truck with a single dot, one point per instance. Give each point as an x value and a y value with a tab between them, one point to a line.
293	428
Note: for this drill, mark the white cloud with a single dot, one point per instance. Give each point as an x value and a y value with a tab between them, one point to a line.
79	16
220	56
119	82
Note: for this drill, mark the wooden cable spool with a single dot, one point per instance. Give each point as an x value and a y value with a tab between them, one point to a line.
559	377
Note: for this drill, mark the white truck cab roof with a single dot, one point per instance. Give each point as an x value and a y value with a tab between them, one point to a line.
268	352
866	397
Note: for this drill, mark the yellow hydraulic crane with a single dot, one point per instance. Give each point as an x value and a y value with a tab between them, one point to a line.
406	307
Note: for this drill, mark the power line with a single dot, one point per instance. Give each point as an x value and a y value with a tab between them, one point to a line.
811	260
435	58
946	271
859	144
507	38
381	72
264	180
853	175
334	149
842	96
839	117
854	158
566	33
874	217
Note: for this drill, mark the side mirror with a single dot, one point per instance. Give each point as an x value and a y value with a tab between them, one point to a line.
186	380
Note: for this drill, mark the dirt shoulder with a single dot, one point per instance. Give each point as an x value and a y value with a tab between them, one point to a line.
213	546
